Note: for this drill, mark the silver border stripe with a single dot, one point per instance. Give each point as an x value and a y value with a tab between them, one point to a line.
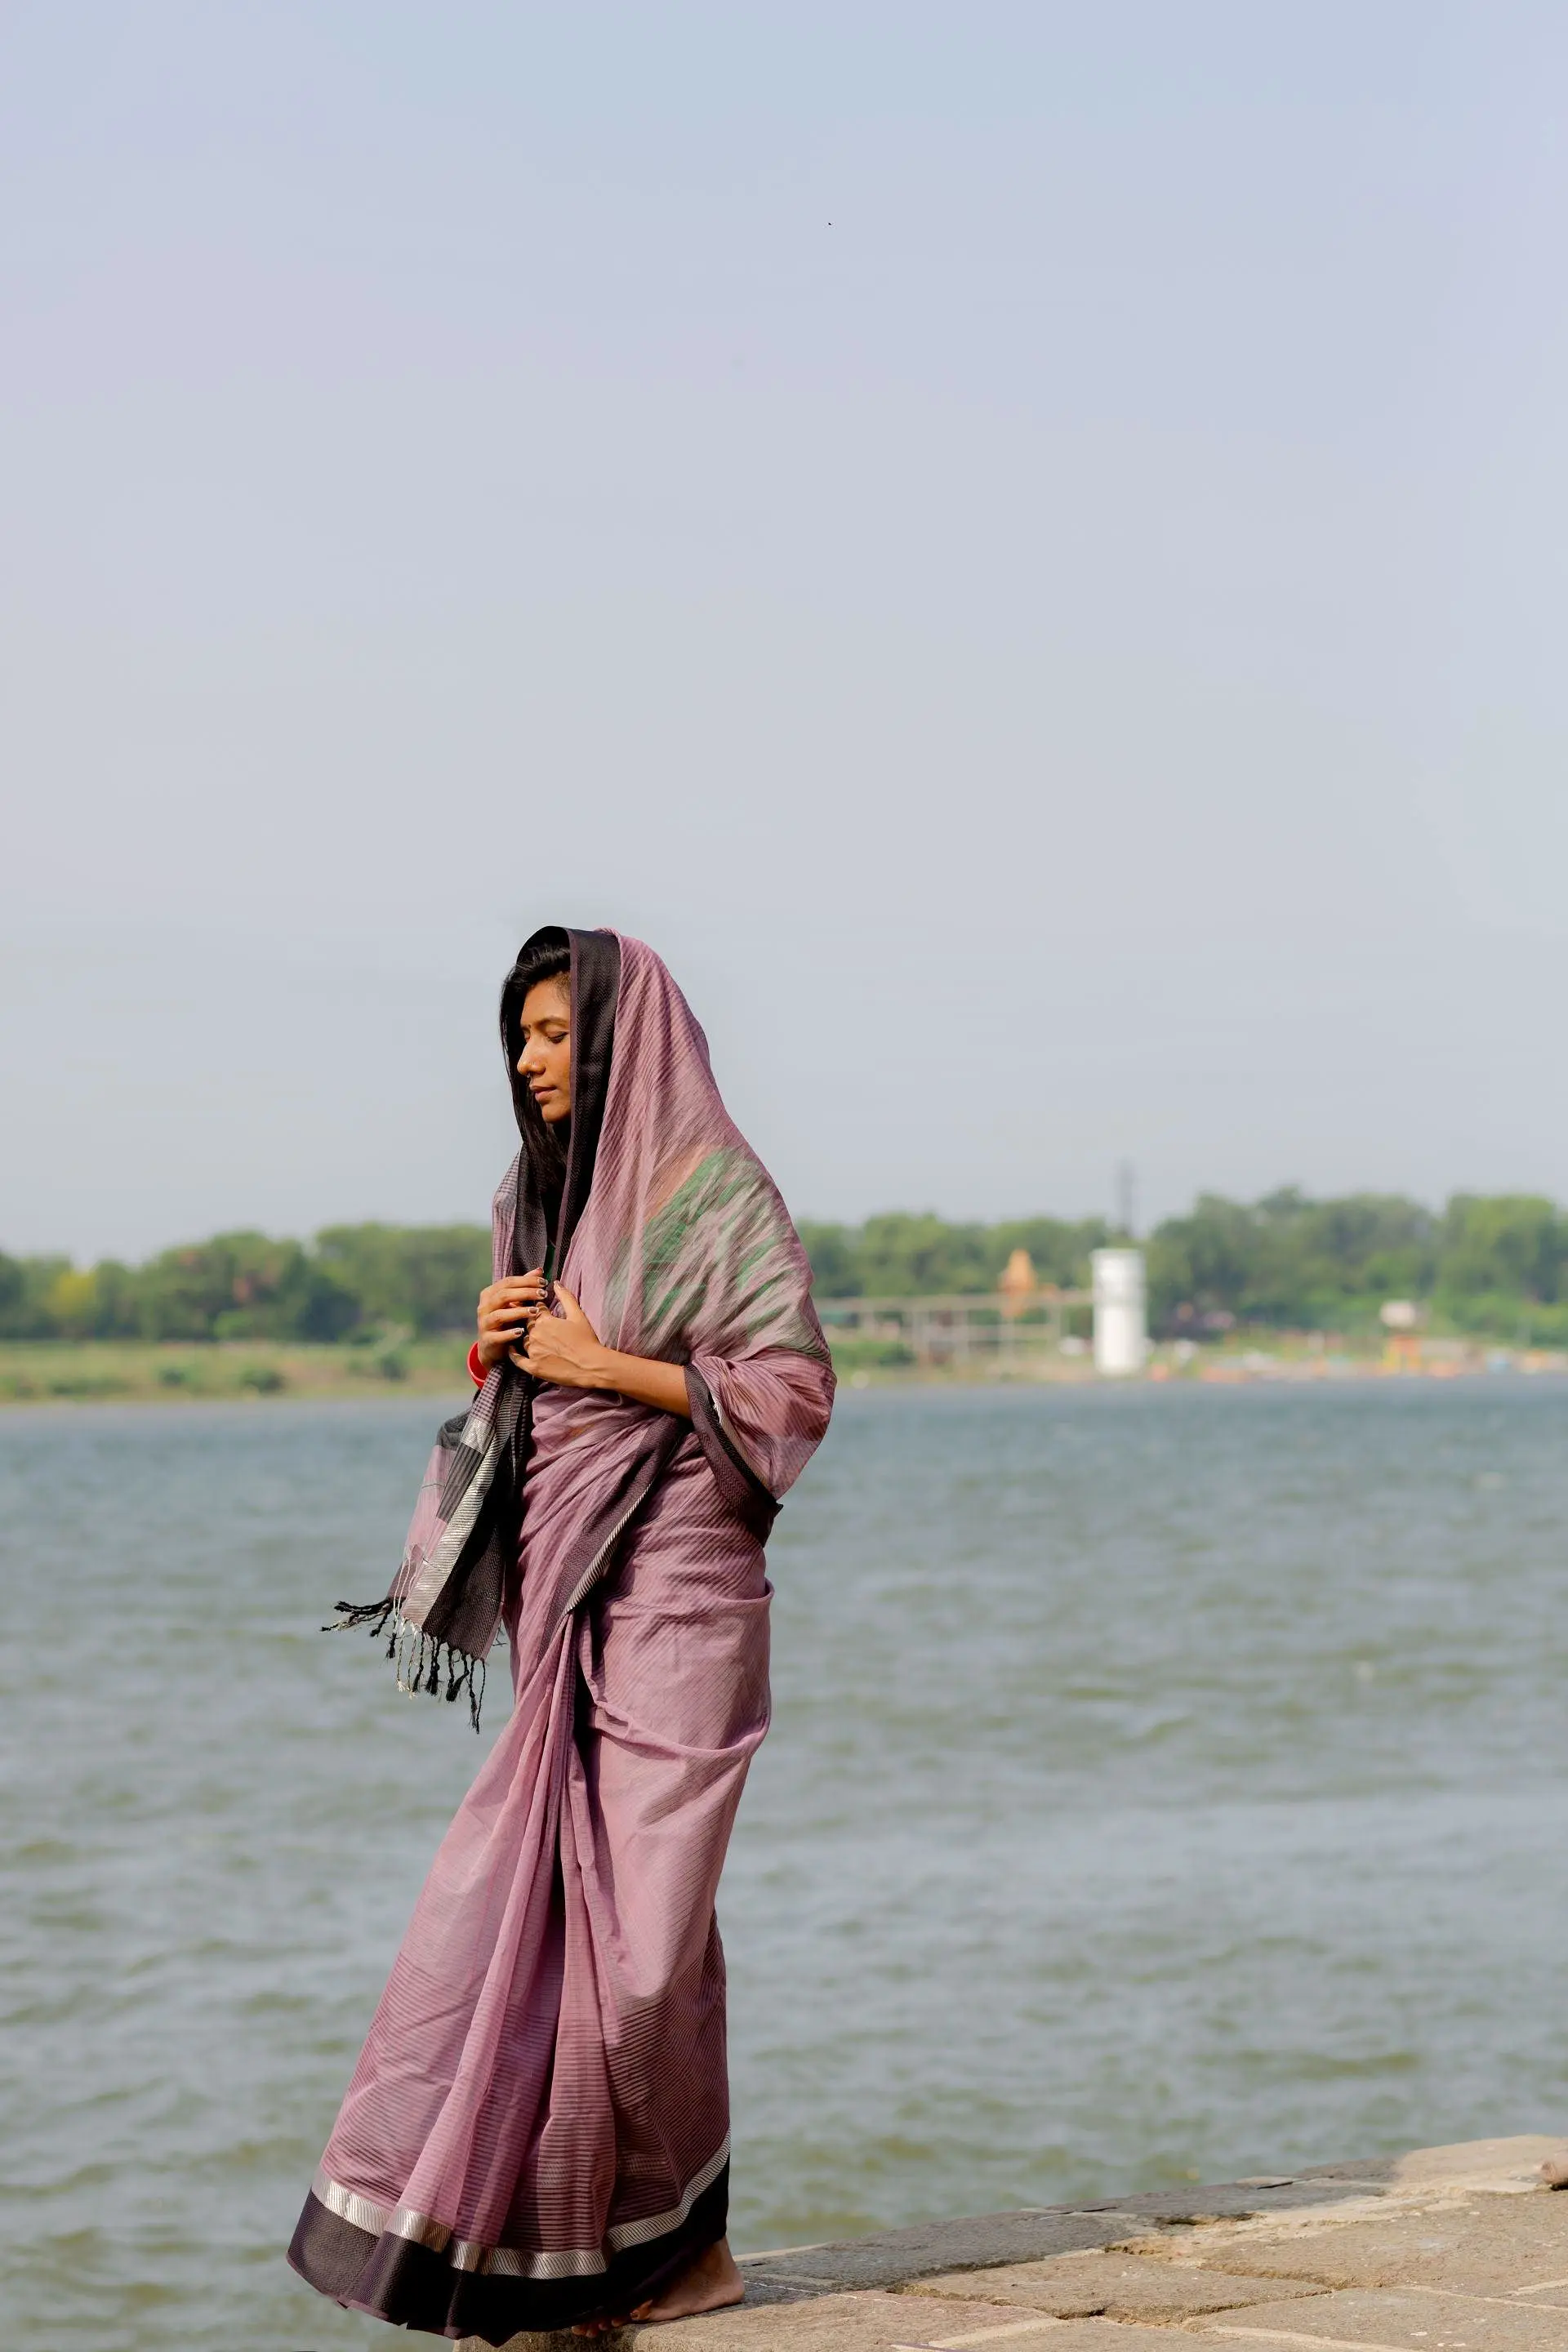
511	2262
637	2233
419	2229
349	2205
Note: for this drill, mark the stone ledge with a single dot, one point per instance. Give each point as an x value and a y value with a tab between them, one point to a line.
892	2258
1461	2249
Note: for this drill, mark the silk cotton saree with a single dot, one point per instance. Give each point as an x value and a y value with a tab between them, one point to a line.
536	2130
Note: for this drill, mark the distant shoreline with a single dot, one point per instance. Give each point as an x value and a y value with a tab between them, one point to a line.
238	1371
226	1371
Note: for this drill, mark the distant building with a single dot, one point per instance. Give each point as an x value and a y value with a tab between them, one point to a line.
1121	1325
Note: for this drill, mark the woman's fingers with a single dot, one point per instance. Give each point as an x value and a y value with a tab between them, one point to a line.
506	1307
516	1321
506	1311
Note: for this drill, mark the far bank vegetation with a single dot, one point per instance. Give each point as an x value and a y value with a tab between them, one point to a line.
394	1296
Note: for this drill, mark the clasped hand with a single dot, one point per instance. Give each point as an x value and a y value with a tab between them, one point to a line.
514	1321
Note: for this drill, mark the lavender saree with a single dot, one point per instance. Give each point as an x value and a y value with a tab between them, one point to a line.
536	2130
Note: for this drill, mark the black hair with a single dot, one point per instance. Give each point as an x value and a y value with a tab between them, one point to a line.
547	956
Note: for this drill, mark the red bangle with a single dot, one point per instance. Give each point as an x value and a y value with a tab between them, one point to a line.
476	1369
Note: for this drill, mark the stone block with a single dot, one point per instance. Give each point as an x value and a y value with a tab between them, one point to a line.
893	2256
1391	2321
874	2322
1114	2286
1480	2245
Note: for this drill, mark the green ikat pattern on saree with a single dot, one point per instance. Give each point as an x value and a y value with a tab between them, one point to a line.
722	1234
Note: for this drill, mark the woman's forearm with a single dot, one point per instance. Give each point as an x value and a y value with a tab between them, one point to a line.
645	1380
563	1347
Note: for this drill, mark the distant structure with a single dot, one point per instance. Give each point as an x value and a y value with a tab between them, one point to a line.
1401	1319
1127	1198
1121	1329
1014	1326
1018	1285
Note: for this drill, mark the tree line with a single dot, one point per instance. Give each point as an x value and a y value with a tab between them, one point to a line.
351	1282
1483	1263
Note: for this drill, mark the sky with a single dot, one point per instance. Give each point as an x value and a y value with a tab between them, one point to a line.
1022	546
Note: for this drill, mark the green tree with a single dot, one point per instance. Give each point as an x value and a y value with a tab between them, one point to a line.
240	1285
902	1256
1511	1245
426	1278
1289	1260
116	1291
835	1263
25	1285
1203	1263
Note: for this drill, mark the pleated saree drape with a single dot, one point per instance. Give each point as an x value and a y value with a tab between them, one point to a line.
537	2129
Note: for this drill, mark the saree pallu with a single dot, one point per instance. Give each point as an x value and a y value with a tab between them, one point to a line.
538	2127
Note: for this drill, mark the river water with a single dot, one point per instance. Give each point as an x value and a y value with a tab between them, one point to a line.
1164	1785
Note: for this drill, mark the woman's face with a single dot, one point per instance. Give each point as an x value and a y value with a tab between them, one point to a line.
545	1061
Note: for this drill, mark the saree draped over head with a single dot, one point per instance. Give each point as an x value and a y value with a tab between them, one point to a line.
536	2130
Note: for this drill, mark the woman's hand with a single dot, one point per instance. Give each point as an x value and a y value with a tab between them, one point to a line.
505	1310
564	1348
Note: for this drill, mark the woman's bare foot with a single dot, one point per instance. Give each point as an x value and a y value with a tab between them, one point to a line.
709	2283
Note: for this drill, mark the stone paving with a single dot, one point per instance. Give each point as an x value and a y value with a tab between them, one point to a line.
1445	2249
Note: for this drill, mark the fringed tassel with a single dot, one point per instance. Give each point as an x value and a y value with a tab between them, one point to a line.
421	1659
373	1613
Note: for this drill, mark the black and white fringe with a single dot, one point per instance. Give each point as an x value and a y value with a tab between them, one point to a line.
422	1662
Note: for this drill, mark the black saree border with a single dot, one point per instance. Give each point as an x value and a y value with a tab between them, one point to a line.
413	2286
736	1480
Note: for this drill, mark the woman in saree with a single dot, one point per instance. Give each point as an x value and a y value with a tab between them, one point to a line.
536	2135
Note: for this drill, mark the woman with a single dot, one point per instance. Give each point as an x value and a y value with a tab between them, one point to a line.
537	2131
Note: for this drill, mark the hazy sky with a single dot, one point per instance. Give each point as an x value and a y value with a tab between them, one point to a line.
1023	547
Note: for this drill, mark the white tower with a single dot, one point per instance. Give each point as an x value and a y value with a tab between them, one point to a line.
1121	1337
